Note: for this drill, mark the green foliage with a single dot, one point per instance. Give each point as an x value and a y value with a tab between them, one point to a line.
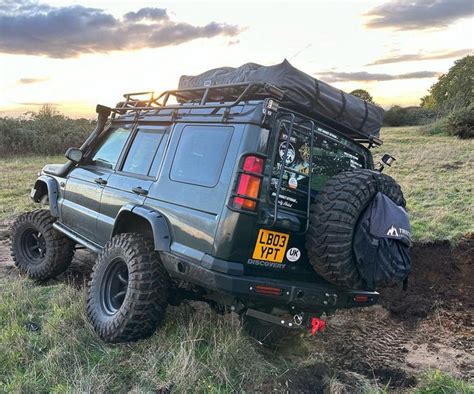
408	116
44	132
438	127
453	90
364	95
461	123
436	382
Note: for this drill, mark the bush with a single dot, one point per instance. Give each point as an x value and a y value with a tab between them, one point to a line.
438	127
461	123
408	116
45	132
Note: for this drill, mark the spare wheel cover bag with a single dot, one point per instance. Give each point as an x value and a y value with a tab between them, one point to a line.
334	217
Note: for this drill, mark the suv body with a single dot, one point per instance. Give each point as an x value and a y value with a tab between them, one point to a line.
222	187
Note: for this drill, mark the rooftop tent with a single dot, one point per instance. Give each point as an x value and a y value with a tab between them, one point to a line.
302	91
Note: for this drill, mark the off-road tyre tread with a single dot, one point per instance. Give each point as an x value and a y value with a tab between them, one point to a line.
144	306
333	219
59	248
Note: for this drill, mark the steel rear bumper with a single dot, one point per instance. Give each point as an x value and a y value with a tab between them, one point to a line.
228	278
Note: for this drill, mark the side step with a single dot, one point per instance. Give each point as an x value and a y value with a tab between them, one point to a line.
76	237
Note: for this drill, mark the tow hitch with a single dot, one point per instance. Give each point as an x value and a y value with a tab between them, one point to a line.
298	321
317	325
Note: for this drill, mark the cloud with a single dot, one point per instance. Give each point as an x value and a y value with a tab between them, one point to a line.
418	14
420	56
37	104
28	27
363	76
233	42
28	81
153	14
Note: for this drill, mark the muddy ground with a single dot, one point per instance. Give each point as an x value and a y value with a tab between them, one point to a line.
429	326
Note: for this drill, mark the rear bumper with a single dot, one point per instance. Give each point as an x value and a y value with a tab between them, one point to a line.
228	278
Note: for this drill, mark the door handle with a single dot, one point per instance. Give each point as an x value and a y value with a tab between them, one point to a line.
140	191
100	181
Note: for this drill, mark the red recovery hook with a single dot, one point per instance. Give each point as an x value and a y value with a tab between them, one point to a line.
317	325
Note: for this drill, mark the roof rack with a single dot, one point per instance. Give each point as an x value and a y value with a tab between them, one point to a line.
194	98
215	96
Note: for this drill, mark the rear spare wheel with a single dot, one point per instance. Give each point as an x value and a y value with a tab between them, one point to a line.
334	217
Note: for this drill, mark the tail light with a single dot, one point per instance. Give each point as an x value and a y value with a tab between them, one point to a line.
250	180
361	298
268	290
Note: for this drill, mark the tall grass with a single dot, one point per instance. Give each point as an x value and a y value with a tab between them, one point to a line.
193	352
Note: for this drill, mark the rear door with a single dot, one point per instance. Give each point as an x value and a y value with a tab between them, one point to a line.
136	172
85	183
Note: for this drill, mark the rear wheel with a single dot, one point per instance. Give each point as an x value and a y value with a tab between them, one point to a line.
128	291
37	248
334	217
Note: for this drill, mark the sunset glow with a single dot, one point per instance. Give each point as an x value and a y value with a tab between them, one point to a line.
102	49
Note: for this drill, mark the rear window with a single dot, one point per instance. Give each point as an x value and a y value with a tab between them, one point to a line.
332	154
200	155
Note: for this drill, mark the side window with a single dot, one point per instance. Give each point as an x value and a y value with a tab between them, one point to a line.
144	155
109	152
200	155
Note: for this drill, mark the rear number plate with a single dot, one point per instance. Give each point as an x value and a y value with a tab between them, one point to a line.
270	246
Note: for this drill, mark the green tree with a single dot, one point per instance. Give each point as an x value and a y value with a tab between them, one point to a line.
453	90
363	94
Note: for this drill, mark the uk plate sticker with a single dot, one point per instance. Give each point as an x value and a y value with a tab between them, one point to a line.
293	254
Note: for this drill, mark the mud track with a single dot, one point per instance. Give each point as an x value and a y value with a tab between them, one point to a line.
428	326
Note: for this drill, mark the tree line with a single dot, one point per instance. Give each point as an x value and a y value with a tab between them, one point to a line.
45	132
447	107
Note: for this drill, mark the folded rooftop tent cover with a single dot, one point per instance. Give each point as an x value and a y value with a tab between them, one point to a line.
301	90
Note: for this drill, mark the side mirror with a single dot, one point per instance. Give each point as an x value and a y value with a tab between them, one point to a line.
74	154
386	160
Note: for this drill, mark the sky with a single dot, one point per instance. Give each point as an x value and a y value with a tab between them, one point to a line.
75	54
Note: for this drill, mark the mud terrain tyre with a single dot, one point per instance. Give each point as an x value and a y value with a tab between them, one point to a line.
334	216
128	291
37	248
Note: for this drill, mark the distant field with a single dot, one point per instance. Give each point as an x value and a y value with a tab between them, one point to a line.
17	175
435	173
437	177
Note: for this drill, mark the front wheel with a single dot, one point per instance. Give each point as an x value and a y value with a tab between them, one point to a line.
37	248
128	291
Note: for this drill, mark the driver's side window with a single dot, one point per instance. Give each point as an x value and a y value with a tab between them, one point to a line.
108	153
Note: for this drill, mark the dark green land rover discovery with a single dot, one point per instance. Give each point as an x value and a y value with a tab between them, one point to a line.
245	203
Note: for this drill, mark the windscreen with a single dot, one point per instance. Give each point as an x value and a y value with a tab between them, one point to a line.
331	154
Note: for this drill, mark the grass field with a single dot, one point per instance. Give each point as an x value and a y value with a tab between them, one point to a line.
17	176
192	352
437	177
435	173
